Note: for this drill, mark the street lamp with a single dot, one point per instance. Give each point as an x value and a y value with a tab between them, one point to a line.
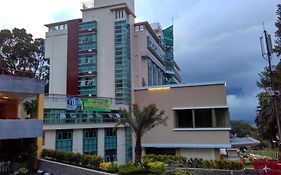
267	55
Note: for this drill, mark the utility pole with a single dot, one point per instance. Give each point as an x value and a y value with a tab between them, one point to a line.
267	55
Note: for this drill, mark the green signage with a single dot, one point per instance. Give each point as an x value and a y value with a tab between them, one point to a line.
96	104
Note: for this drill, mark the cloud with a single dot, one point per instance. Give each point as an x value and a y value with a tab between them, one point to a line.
214	40
33	14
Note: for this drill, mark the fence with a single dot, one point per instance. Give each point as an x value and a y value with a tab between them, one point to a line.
272	154
5	167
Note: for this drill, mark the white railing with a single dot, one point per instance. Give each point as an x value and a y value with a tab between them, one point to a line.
88	4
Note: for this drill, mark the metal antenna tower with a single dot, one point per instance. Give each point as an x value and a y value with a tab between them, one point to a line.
267	51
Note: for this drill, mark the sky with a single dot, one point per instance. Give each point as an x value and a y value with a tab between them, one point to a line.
215	40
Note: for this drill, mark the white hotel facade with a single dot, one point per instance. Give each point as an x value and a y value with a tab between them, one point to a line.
105	61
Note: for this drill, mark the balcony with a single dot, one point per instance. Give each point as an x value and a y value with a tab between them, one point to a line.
18	129
53	101
80	117
20	84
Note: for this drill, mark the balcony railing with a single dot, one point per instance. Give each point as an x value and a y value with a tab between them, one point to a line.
5	167
80	118
53	101
17	129
88	4
22	73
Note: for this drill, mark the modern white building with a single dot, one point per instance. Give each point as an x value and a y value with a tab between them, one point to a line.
101	63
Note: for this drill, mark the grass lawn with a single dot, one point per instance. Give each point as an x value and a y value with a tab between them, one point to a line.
268	153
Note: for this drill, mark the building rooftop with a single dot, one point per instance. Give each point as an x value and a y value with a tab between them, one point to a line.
181	85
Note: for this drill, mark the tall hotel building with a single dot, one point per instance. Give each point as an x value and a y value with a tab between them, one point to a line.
105	61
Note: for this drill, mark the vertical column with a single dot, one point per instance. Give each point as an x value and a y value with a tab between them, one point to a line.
77	141
134	145
214	119
101	142
50	140
193	119
40	116
121	156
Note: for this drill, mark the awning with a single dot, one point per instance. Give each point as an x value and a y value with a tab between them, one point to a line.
243	141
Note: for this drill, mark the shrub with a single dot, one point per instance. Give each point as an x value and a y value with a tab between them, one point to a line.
209	164
23	170
131	168
90	161
168	159
111	167
195	163
215	164
177	172
156	167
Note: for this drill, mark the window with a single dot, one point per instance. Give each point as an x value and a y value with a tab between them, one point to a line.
88	41
110	145
201	118
184	119
122	60
64	140
221	117
87	63
88	25
154	74
87	85
150	72
43	138
128	145
90	141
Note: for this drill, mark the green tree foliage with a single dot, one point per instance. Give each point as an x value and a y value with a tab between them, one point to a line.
277	46
21	55
265	119
30	107
242	128
140	122
266	123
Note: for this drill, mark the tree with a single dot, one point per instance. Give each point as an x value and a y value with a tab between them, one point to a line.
265	119
242	128
30	107
21	55
140	122
277	46
266	123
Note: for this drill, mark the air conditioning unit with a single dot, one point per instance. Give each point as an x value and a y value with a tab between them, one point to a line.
90	50
90	29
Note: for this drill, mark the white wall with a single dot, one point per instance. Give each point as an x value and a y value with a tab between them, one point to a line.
102	3
105	50
121	157
198	153
77	141
56	51
50	140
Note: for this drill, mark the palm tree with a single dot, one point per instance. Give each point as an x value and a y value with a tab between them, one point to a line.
140	122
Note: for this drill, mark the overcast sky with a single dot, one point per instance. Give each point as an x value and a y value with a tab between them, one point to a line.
215	40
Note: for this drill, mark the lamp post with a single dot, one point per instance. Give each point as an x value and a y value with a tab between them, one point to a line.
267	55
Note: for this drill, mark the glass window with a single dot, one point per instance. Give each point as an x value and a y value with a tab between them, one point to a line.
203	118
90	141
64	140
194	118
122	60
110	145
184	118
88	25
129	145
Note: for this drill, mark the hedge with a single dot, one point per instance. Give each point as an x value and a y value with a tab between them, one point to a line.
88	161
